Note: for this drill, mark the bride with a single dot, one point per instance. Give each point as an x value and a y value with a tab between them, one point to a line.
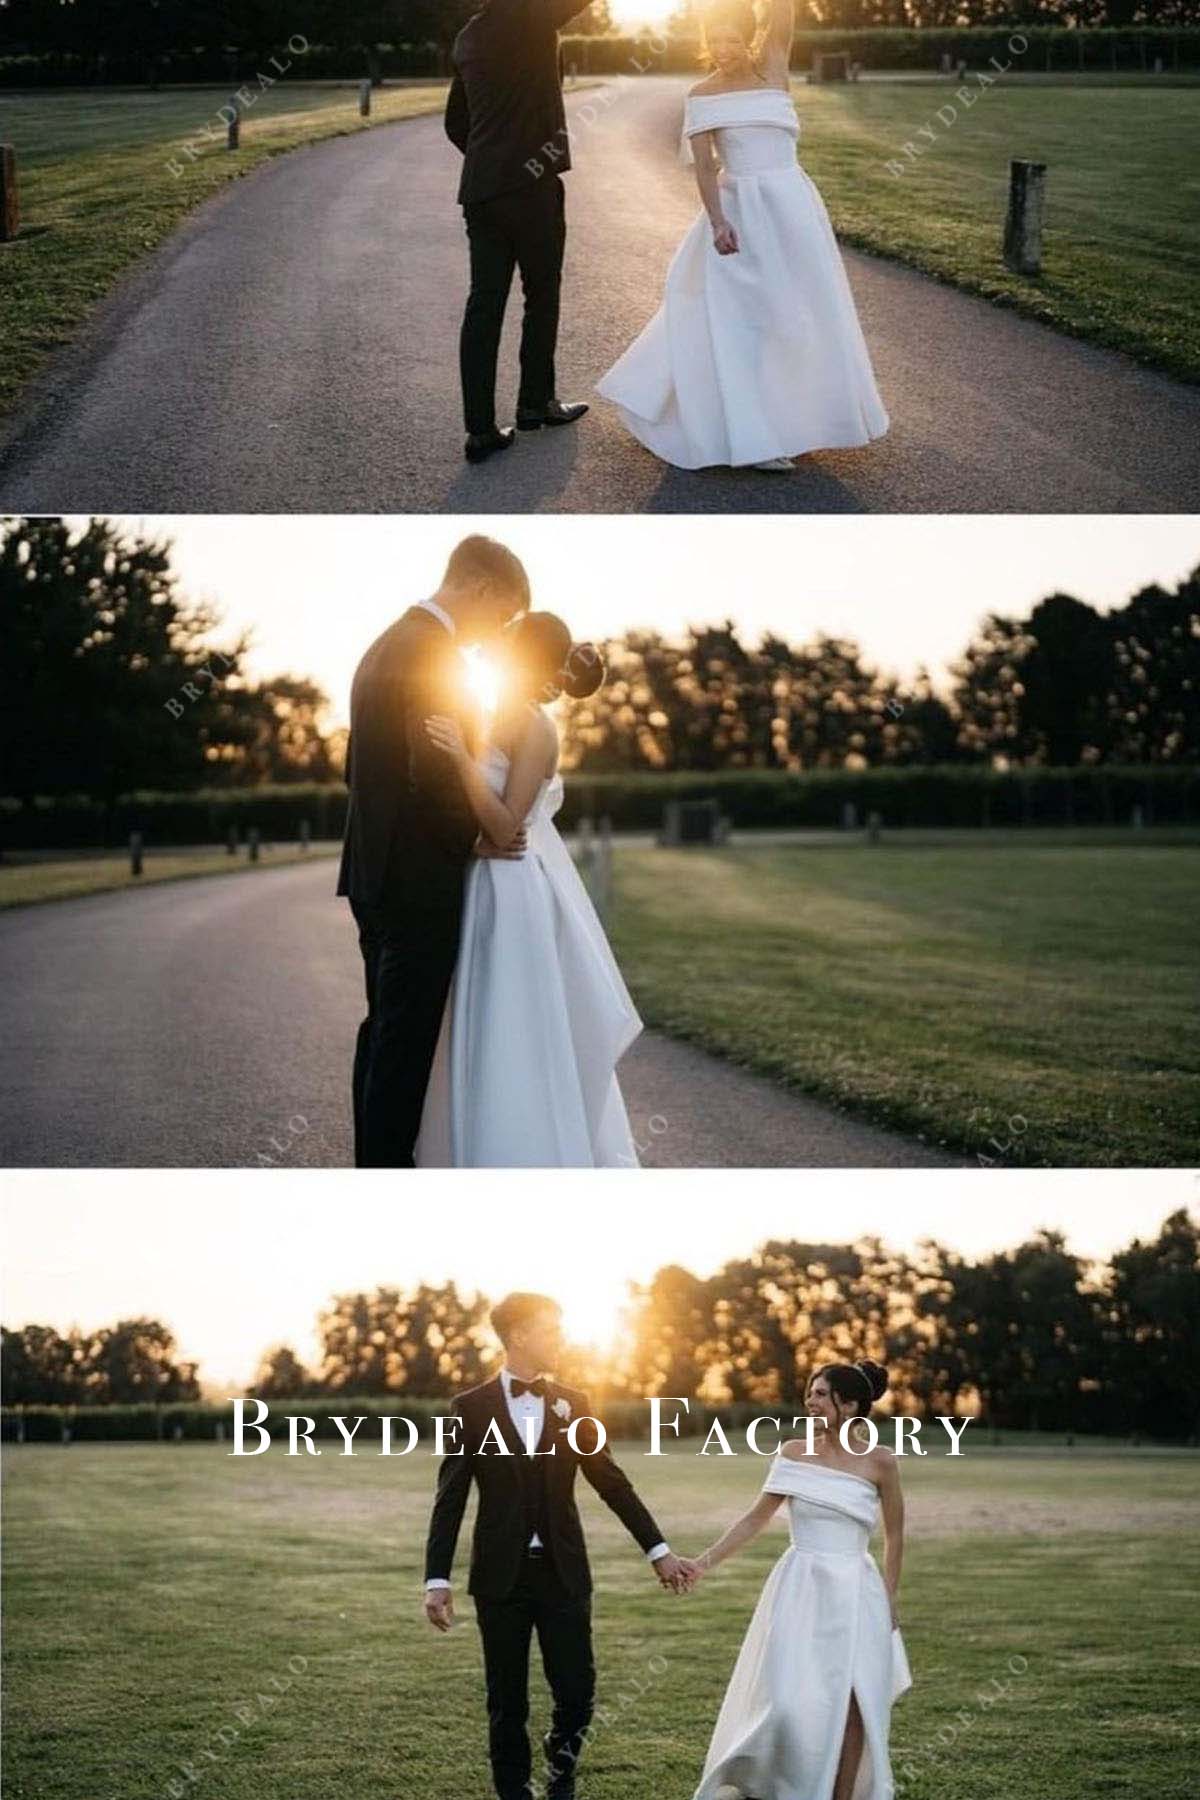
524	1075
807	1710
756	354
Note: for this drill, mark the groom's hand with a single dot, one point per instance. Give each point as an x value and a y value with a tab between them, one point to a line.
439	1608
671	1573
511	853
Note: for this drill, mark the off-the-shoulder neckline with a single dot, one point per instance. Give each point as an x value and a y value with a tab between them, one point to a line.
740	93
798	1462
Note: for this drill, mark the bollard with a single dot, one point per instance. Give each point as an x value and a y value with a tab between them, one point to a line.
874	827
364	100
234	137
849	816
253	840
1023	226
305	834
10	212
135	853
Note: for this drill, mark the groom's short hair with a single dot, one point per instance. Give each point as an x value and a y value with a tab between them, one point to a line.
517	1310
479	560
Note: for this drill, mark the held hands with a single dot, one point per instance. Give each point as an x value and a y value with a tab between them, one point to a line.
678	1573
513	852
439	1608
725	239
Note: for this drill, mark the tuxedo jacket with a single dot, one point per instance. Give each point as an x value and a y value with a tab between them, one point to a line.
409	829
505	108
502	1523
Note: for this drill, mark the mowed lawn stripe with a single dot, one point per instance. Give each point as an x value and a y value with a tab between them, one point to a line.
944	991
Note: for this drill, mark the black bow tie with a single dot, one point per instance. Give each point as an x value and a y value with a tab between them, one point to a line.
536	1387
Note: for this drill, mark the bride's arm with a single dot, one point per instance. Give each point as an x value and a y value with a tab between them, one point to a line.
740	1532
704	153
892	1507
501	817
776	55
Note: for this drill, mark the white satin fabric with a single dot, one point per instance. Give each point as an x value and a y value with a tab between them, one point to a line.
822	1630
538	1017
760	354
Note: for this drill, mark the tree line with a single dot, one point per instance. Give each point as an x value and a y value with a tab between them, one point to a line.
112	682
1033	1336
250	33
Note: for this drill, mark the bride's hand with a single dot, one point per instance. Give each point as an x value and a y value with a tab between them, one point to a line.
725	239
446	734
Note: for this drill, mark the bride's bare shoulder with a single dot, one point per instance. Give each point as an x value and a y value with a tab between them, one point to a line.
794	1449
711	84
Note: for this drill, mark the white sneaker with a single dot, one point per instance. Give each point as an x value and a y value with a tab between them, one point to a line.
781	465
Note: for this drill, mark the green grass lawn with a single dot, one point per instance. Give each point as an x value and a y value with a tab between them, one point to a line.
158	1595
27	881
97	192
1122	246
947	991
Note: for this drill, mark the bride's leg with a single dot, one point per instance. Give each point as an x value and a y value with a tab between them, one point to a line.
852	1749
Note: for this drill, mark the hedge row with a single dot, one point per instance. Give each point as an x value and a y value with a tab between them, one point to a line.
948	795
626	1419
1050	47
1020	48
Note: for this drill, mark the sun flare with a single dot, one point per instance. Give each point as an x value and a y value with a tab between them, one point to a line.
483	679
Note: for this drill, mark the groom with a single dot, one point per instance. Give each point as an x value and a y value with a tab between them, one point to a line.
505	113
529	1566
410	835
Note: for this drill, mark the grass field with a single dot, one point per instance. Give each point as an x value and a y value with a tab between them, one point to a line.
1029	1004
1122	244
26	881
97	192
157	1596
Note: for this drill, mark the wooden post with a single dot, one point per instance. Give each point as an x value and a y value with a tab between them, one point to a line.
364	99
1023	226
135	852
235	125
10	212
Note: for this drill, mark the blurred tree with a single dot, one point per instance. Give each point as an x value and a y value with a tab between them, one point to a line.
1153	1331
281	1375
39	1366
134	1361
432	1342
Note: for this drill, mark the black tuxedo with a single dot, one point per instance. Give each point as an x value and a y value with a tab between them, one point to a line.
518	1593
409	833
505	113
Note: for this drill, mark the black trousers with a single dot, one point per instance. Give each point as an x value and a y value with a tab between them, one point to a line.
563	1623
408	964
525	230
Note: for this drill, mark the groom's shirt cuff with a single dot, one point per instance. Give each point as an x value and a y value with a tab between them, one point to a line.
658	1552
436	1581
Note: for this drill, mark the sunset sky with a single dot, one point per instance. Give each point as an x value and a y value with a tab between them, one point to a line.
314	591
235	1261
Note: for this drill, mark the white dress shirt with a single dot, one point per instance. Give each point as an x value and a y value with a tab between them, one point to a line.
528	1414
440	614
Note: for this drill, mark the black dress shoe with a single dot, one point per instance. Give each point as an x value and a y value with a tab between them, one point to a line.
559	412
482	444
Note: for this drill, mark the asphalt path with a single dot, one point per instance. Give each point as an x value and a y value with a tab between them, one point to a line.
293	349
210	1022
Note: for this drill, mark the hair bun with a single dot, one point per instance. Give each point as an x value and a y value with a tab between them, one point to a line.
876	1376
582	672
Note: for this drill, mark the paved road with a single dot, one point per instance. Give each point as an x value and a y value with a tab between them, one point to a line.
209	1023
294	349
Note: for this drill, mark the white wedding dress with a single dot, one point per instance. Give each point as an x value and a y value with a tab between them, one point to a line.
524	1075
821	1631
760	354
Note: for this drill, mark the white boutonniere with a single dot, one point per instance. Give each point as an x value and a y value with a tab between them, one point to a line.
562	1408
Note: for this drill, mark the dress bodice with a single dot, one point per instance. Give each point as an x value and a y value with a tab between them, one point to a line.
830	1511
546	802
756	129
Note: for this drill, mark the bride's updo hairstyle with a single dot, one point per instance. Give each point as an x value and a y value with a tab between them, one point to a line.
737	16
858	1384
547	662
